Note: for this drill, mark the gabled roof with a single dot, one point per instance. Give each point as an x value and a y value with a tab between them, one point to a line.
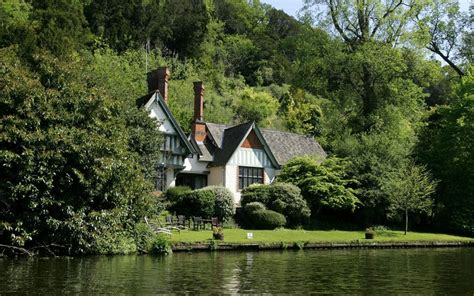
155	96
283	145
231	138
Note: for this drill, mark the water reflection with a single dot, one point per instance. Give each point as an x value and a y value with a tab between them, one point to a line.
414	271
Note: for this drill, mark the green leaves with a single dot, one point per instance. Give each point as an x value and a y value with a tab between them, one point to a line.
323	185
67	153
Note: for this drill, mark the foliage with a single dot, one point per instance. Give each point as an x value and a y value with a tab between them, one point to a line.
446	149
254	206
175	194
255	192
409	190
161	246
266	219
144	237
323	185
260	107
66	158
200	203
280	197
224	207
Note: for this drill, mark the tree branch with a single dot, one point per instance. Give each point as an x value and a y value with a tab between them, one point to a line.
336	23
389	11
435	49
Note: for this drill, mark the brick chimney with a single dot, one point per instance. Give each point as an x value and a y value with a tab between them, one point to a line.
199	127
158	80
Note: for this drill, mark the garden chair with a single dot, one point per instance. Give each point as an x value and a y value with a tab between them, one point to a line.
181	222
197	223
215	222
157	228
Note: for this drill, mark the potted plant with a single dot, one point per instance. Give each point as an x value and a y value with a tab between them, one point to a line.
218	233
369	233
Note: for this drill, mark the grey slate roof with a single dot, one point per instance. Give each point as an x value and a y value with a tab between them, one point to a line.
231	138
284	145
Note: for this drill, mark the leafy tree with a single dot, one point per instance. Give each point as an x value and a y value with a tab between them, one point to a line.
446	148
256	106
362	21
409	189
323	185
70	175
442	26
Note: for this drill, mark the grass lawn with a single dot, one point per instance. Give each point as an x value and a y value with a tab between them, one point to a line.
292	236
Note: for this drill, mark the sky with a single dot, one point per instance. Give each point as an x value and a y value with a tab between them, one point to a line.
291	7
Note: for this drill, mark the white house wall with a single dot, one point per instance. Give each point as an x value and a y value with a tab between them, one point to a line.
251	158
157	112
194	166
216	176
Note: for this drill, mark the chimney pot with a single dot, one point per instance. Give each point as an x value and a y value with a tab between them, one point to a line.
158	80
198	101
199	127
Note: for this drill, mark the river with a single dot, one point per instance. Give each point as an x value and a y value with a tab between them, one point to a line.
395	271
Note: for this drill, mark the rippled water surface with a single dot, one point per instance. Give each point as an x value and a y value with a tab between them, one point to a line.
411	271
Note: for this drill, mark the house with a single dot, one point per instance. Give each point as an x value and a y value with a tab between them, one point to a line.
215	154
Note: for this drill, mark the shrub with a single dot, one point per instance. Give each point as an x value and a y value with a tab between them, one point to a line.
266	219
144	237
224	207
254	206
286	199
197	203
256	192
161	246
174	196
283	198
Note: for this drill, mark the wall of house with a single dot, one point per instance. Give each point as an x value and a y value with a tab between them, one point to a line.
193	165
165	125
216	176
250	157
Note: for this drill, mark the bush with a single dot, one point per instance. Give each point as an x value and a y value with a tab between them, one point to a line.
174	196
286	199
283	198
266	219
199	202
224	207
161	246
254	206
256	192
144	237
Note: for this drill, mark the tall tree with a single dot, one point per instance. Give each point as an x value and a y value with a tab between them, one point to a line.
409	188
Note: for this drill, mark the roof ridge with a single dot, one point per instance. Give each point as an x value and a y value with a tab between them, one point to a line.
286	132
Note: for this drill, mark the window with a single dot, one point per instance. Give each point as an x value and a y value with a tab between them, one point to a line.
248	176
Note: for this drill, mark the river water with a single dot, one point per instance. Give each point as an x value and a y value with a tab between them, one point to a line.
396	271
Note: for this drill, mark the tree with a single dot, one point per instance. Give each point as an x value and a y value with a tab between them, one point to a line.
446	147
323	185
258	106
71	174
443	27
409	189
362	21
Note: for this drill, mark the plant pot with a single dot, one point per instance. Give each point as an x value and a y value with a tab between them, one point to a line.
369	235
218	236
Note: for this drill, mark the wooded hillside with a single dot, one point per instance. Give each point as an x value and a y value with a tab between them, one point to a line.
386	86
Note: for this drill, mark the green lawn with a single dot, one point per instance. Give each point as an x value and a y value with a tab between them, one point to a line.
292	236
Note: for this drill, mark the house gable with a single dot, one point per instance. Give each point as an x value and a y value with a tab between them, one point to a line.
175	140
252	141
244	145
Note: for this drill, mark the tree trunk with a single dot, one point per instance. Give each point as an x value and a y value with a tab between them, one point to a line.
406	221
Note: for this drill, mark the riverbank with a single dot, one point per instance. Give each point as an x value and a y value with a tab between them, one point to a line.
236	239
